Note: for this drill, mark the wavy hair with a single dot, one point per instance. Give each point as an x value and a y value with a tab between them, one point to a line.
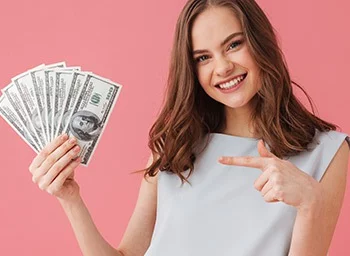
188	114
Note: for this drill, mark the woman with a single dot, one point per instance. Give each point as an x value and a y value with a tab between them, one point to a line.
229	95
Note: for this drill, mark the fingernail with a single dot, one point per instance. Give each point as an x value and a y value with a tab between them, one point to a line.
64	136
72	140
76	148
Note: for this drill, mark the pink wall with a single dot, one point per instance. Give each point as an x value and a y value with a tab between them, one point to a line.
129	42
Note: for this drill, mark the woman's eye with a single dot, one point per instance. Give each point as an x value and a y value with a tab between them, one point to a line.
201	58
235	44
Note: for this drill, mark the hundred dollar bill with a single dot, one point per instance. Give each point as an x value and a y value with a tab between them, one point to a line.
38	77
71	99
14	98
91	112
63	83
50	81
24	84
9	114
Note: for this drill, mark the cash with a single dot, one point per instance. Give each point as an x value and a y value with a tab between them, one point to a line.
91	112
8	113
38	78
49	100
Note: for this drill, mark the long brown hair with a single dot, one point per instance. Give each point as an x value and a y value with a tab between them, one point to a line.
188	114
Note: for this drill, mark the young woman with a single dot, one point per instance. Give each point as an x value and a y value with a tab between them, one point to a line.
238	165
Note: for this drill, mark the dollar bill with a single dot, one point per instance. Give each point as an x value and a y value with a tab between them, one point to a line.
25	87
14	98
64	81
91	112
9	114
50	83
38	78
72	97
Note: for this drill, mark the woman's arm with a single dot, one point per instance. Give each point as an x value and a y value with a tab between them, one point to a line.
314	227
89	238
138	234
53	171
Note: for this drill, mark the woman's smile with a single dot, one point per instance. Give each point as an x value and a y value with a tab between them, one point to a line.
231	83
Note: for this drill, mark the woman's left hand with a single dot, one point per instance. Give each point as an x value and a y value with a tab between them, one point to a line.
281	180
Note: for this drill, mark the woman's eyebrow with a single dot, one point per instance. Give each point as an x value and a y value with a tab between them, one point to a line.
222	44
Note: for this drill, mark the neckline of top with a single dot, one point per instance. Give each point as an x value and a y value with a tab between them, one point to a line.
215	134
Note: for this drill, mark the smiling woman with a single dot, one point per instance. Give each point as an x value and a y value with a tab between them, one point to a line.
238	166
230	94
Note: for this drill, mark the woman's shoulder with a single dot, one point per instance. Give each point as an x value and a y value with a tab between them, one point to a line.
332	137
321	152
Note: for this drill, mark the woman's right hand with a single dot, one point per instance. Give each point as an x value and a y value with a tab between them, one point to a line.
53	168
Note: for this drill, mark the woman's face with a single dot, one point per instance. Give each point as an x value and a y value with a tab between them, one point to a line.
219	58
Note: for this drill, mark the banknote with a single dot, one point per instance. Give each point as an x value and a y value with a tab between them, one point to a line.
63	84
15	100
9	114
38	77
50	83
25	87
71	99
89	117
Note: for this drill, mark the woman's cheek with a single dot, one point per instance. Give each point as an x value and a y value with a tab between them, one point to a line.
200	76
205	76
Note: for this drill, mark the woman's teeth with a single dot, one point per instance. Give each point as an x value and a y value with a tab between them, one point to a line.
232	83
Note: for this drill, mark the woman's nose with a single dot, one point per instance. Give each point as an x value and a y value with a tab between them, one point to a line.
223	67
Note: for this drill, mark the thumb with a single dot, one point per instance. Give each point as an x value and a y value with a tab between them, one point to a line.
263	151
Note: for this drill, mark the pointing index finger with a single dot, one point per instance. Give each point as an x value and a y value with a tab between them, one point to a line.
248	161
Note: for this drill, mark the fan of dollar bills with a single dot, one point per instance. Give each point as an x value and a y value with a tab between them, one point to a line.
49	100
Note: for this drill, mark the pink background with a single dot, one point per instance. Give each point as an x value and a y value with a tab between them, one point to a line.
129	42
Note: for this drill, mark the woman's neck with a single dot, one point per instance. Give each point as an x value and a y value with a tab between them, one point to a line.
238	122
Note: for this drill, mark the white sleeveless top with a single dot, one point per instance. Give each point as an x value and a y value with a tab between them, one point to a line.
222	214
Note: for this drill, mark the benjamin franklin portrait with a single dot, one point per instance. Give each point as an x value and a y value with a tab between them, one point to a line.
85	125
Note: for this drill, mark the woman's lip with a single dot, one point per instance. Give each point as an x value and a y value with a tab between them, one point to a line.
232	89
228	80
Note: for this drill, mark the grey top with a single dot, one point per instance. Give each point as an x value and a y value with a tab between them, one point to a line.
222	213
